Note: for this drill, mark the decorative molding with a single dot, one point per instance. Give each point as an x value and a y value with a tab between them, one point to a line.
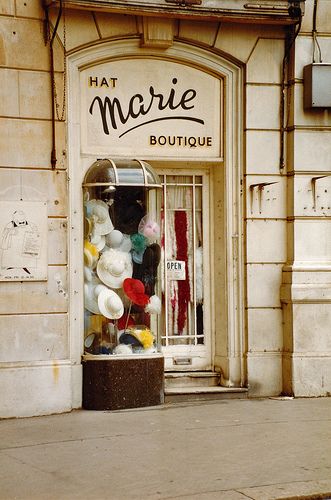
157	32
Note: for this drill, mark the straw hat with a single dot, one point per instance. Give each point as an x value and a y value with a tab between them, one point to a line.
110	304
91	254
114	267
98	212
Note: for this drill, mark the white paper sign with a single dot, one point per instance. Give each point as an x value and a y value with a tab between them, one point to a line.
23	241
176	270
148	107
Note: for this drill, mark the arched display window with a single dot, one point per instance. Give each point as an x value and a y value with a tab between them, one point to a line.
121	257
122	362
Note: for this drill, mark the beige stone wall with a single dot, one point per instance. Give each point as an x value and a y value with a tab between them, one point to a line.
33	315
306	290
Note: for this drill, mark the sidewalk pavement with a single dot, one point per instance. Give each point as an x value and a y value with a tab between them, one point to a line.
227	450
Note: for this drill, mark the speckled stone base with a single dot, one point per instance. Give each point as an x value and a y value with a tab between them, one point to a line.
116	382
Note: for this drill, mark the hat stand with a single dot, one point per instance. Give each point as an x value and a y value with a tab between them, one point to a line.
128	316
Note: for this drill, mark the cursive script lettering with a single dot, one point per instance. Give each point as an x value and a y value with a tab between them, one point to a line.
113	113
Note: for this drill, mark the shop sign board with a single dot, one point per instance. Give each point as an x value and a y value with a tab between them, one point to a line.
23	241
149	107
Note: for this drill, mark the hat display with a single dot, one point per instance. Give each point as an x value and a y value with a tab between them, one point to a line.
116	239
110	304
98	212
121	208
135	290
154	305
114	267
149	228
91	292
91	254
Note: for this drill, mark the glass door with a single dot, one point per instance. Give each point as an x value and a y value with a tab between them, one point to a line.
186	324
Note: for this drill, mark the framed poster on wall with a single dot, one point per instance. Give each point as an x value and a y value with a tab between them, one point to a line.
23	241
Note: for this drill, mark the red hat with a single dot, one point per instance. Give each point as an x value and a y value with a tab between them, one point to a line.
135	291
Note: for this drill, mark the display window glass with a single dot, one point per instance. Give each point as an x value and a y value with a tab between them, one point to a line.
122	256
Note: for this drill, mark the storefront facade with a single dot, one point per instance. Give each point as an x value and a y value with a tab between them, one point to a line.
213	100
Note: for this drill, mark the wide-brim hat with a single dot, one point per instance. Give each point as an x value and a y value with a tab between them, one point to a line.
91	293
98	212
116	239
110	304
149	228
91	254
114	267
135	290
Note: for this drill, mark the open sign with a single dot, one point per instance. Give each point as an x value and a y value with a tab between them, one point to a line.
176	270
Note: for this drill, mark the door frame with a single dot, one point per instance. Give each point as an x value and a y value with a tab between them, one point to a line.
206	350
229	356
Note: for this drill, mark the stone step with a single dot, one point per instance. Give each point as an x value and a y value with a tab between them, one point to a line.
194	393
191	379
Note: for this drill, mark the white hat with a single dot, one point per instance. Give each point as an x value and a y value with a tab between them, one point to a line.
91	293
98	240
114	267
98	211
110	304
118	240
154	305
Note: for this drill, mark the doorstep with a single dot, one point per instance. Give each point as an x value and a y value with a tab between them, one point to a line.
203	393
